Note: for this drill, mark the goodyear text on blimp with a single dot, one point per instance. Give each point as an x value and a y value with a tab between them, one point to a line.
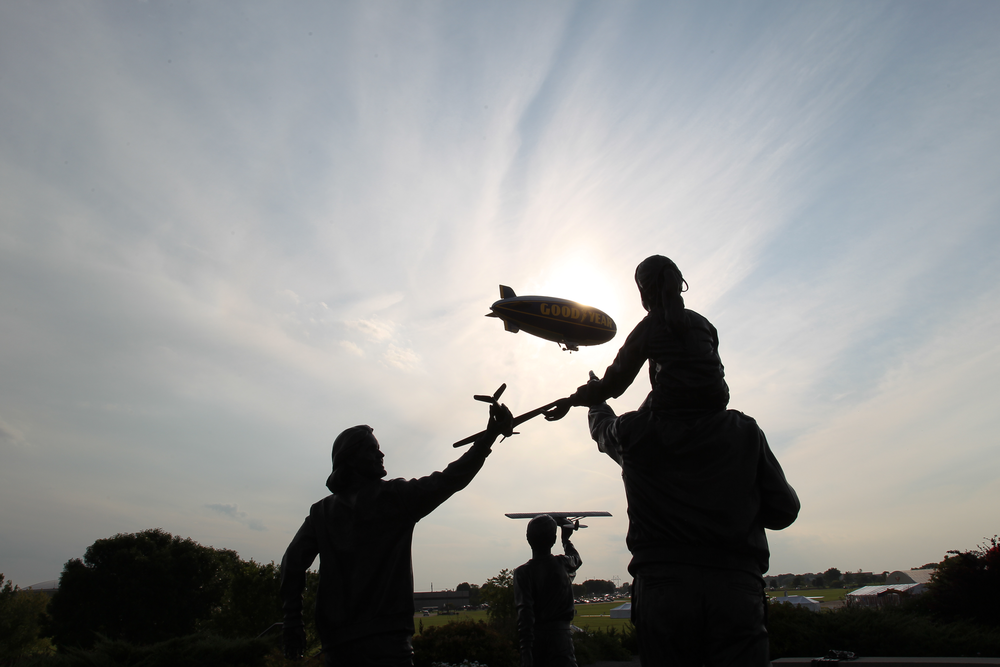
575	314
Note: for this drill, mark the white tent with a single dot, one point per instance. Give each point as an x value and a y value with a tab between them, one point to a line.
882	596
799	601
622	611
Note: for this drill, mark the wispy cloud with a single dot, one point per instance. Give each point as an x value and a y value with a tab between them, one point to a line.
226	236
233	512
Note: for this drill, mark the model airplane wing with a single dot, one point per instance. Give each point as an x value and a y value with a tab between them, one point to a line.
562	518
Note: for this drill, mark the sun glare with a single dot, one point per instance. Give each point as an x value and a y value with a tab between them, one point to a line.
580	278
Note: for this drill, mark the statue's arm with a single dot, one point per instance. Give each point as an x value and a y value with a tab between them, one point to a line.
604	431
622	372
779	504
299	555
573	560
420	497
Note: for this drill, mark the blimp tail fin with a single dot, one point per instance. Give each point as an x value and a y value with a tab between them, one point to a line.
506	292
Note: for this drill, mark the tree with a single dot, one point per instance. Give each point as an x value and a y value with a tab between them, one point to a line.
599	587
250	603
140	587
498	593
966	584
473	592
831	576
20	622
461	641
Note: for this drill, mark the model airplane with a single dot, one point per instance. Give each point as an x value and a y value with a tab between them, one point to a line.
565	322
567	519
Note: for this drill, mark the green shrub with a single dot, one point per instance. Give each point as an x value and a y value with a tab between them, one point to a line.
463	640
797	632
190	651
591	647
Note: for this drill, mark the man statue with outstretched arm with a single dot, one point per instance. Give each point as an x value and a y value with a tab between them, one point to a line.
362	533
543	593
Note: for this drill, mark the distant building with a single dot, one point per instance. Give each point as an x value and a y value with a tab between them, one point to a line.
441	600
622	611
879	597
908	577
799	601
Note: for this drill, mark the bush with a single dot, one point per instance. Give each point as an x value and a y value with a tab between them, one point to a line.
591	647
797	632
965	586
21	614
149	587
190	651
474	641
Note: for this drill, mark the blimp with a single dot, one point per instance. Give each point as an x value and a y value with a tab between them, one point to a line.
561	321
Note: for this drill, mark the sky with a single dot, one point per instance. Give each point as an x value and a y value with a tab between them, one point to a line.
230	231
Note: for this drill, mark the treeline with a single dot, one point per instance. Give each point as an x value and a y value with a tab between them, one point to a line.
832	578
588	589
153	599
144	589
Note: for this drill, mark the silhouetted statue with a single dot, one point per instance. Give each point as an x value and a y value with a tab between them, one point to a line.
362	534
543	592
701	483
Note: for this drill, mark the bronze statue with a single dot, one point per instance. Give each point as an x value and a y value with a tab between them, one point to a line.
701	483
362	534
543	592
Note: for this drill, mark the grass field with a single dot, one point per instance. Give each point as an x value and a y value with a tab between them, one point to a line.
589	616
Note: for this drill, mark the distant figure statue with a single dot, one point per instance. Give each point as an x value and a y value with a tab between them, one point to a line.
543	593
701	483
362	534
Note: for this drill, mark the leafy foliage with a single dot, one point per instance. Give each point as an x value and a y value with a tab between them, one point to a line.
797	632
250	602
191	651
966	585
498	593
593	588
463	640
20	621
606	645
473	592
148	587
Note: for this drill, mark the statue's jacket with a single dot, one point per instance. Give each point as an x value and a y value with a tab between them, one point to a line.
363	540
543	594
701	488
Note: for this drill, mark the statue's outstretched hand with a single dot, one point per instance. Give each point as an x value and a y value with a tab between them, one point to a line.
559	410
562	406
501	421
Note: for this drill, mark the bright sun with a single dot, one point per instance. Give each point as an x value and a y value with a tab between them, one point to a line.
579	278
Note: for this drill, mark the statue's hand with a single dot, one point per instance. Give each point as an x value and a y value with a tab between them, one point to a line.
567	531
501	421
294	639
559	410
